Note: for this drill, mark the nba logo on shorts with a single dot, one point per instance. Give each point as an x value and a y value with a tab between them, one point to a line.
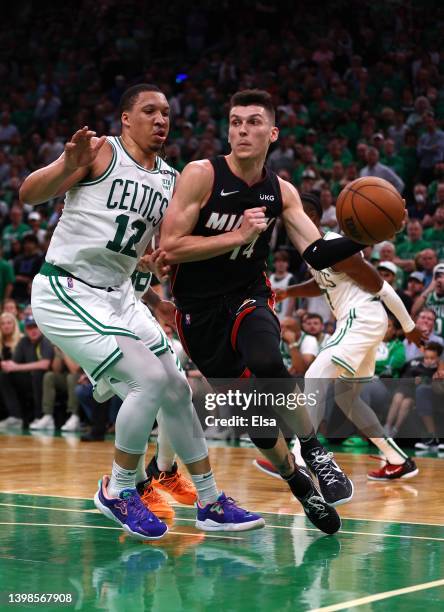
70	282
187	319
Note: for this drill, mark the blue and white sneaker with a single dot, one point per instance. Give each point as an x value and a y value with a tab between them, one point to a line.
129	512
224	515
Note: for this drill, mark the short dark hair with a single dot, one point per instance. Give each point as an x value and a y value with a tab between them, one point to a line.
281	255
311	202
256	97
130	96
434	346
314	315
30	238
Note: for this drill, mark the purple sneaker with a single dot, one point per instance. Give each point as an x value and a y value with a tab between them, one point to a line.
128	511
224	515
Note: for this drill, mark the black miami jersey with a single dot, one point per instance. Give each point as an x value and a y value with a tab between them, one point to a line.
243	266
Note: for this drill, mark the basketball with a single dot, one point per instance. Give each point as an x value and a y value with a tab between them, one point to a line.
370	210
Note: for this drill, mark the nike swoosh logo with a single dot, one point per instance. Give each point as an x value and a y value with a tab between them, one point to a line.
226	193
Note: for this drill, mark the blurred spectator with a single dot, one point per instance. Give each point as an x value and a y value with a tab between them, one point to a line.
425	262
7	278
430	148
375	168
313	324
435	234
9	337
282	279
15	230
415	285
32	357
428	401
282	156
34	221
298	349
433	299
8	131
390	158
51	148
420	207
411	246
425	321
388	271
398	130
26	267
328	219
62	377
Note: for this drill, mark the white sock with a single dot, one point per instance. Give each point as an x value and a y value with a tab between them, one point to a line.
206	488
121	478
391	450
140	469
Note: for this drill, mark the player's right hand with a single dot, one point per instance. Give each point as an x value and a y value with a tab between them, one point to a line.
82	150
417	337
253	224
280	294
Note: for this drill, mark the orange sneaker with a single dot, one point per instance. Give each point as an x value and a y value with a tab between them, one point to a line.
154	501
172	482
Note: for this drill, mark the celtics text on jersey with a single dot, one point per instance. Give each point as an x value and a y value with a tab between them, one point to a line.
108	221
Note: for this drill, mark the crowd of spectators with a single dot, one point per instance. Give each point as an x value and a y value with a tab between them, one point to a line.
359	91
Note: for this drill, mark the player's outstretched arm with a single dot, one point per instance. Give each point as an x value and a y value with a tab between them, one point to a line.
368	279
309	288
305	236
193	191
76	162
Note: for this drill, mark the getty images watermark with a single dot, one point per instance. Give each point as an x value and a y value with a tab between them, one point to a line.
236	400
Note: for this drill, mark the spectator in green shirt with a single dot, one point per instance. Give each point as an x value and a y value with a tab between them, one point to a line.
6	278
390	158
15	230
413	244
435	234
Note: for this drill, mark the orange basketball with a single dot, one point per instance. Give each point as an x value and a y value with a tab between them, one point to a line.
370	210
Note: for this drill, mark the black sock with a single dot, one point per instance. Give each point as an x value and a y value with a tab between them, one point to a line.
300	485
309	443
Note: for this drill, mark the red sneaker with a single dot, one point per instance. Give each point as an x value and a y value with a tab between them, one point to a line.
389	471
268	468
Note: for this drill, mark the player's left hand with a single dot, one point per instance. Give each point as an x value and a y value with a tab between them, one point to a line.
417	337
8	366
155	262
166	311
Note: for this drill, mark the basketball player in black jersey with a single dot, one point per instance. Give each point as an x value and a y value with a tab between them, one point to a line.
217	232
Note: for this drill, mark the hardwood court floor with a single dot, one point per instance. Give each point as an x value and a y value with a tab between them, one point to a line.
388	555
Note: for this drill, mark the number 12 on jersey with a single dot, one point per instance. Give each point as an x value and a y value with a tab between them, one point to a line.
116	244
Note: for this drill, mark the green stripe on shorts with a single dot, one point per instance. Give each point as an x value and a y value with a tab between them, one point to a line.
343	364
106	363
69	302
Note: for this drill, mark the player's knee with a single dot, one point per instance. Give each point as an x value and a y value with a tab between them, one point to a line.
178	389
267	366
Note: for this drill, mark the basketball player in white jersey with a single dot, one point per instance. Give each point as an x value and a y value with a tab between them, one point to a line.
354	291
118	190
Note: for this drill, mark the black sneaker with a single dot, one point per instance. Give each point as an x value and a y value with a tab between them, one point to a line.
335	486
322	515
431	444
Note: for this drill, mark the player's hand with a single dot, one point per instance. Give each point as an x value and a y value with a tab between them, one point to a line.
166	311
253	224
8	366
155	262
417	337
280	294
82	150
